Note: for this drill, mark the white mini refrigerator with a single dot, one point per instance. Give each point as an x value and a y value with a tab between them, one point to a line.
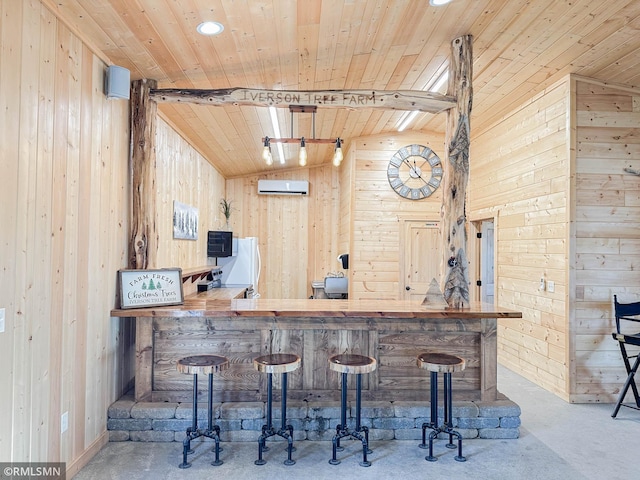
242	268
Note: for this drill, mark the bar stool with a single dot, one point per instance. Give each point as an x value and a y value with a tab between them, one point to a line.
346	364
446	364
194	365
270	364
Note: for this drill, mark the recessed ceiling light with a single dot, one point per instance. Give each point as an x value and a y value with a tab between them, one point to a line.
210	28
437	3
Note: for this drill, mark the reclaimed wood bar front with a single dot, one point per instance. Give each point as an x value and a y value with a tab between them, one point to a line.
393	332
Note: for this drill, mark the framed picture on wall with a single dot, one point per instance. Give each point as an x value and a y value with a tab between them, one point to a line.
147	288
185	221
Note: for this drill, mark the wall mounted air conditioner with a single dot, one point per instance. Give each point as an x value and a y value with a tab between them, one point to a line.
283	187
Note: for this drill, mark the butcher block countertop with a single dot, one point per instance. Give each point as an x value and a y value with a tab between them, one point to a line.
220	302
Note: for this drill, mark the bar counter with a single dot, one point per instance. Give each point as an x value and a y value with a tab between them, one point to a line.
393	332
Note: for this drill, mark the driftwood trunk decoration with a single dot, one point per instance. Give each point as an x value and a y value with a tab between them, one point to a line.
456	175
143	242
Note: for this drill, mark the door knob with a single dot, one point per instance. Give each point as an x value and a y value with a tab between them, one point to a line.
407	288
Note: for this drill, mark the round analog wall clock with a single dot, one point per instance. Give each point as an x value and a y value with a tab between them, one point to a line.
414	172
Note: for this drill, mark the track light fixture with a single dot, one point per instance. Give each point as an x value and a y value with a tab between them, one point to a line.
302	141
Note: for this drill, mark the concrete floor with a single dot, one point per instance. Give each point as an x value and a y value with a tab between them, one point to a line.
557	441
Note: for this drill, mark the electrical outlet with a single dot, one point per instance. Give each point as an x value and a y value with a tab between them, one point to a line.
551	286
64	422
1	320
542	283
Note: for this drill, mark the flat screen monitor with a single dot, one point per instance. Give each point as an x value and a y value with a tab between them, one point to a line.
219	244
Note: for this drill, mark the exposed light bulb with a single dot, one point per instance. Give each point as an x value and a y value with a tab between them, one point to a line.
266	155
337	154
266	152
302	156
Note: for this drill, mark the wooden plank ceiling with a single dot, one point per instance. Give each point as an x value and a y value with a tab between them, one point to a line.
520	47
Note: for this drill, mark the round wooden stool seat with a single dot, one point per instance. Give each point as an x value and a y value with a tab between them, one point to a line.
441	362
277	363
351	363
203	364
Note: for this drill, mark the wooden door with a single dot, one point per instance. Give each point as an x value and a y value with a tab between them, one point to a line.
419	259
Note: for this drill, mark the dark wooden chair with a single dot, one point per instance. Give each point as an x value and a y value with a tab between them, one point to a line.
627	311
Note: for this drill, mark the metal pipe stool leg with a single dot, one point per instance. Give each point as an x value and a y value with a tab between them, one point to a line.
343	421
448	408
433	424
343	411
268	428
345	364
213	431
286	431
194	365
186	444
445	364
433	387
359	428
270	364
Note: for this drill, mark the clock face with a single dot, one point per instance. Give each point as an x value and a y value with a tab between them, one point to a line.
414	172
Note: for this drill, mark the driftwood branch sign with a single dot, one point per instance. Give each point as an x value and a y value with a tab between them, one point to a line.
431	102
147	288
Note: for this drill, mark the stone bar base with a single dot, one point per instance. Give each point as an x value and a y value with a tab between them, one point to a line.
129	420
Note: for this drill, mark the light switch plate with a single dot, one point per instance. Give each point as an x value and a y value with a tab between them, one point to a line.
551	286
2	320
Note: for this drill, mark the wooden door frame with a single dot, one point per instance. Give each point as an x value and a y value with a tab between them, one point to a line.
475	252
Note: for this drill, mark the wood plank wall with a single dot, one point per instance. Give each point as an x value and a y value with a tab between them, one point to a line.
297	235
376	211
519	177
185	176
607	225
346	200
551	177
349	210
65	202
